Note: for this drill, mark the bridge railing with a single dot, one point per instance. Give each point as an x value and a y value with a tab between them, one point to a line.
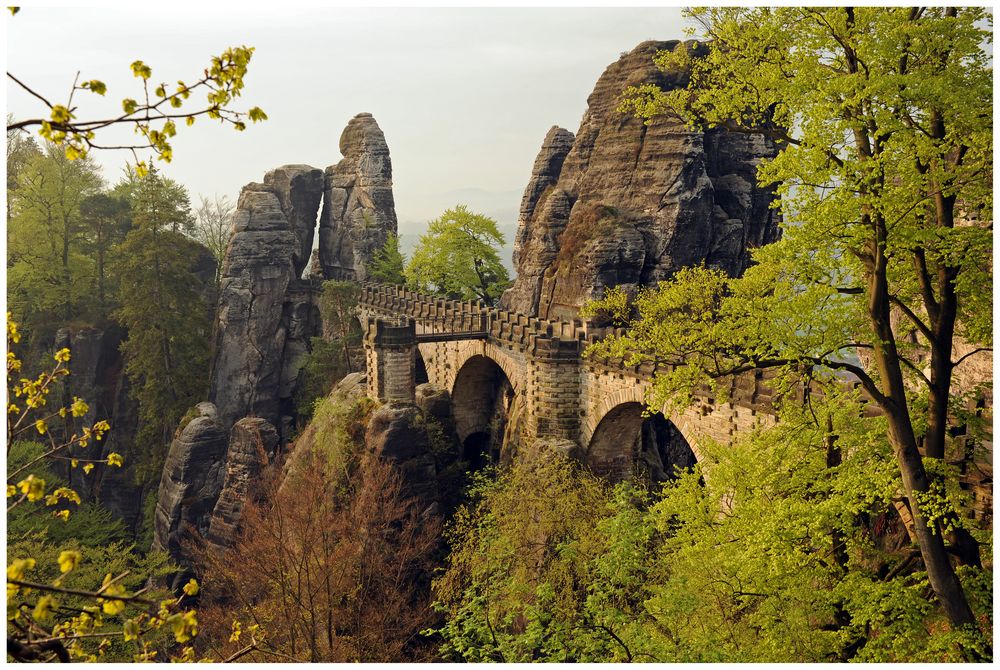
500	323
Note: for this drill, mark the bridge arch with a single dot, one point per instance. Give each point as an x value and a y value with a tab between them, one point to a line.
619	439
484	401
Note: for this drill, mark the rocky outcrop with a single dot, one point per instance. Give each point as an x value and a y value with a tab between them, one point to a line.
264	308
299	189
358	207
544	175
267	314
630	203
397	433
189	487
252	444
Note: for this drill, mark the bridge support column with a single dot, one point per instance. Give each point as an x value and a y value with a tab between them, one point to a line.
390	360
553	389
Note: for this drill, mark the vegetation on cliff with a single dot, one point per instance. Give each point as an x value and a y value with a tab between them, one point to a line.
882	114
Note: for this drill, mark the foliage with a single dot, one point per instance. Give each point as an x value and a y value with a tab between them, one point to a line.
324	367
107	219
613	308
457	257
332	560
164	310
336	353
153	116
20	147
815	567
49	275
58	605
782	546
387	266
881	117
533	574
88	524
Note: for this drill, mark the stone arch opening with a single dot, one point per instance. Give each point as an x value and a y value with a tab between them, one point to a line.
420	369
626	444
482	398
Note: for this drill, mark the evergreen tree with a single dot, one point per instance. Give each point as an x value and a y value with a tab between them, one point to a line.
387	267
163	308
107	219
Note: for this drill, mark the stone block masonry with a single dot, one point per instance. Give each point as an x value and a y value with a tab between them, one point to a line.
564	395
390	359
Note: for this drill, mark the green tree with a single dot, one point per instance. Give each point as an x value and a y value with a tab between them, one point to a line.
335	354
785	546
882	118
387	266
164	310
48	273
58	605
547	564
106	221
20	147
457	257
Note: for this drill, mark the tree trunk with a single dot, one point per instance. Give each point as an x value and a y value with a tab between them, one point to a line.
930	540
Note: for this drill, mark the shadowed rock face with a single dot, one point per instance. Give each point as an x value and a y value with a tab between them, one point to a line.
299	189
189	487
629	204
265	315
250	332
252	443
358	207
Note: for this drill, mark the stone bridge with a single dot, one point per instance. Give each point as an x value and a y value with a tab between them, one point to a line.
515	379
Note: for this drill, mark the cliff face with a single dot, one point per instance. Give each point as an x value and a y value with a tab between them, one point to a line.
267	315
358	208
626	203
263	263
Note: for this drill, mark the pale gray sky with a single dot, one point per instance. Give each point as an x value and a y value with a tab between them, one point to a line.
464	95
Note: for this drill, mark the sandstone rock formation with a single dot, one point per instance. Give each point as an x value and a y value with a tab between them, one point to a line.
299	189
358	208
397	433
265	314
628	204
189	487
252	444
544	175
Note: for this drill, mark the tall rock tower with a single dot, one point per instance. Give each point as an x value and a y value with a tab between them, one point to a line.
358	209
625	203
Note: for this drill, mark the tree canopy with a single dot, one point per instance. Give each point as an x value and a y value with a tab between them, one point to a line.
882	117
457	257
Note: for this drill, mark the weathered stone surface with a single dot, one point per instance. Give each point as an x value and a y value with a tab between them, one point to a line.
544	175
434	401
299	189
189	487
632	203
358	207
306	452
397	433
263	306
252	443
548	446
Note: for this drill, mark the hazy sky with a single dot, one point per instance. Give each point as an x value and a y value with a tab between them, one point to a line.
463	95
